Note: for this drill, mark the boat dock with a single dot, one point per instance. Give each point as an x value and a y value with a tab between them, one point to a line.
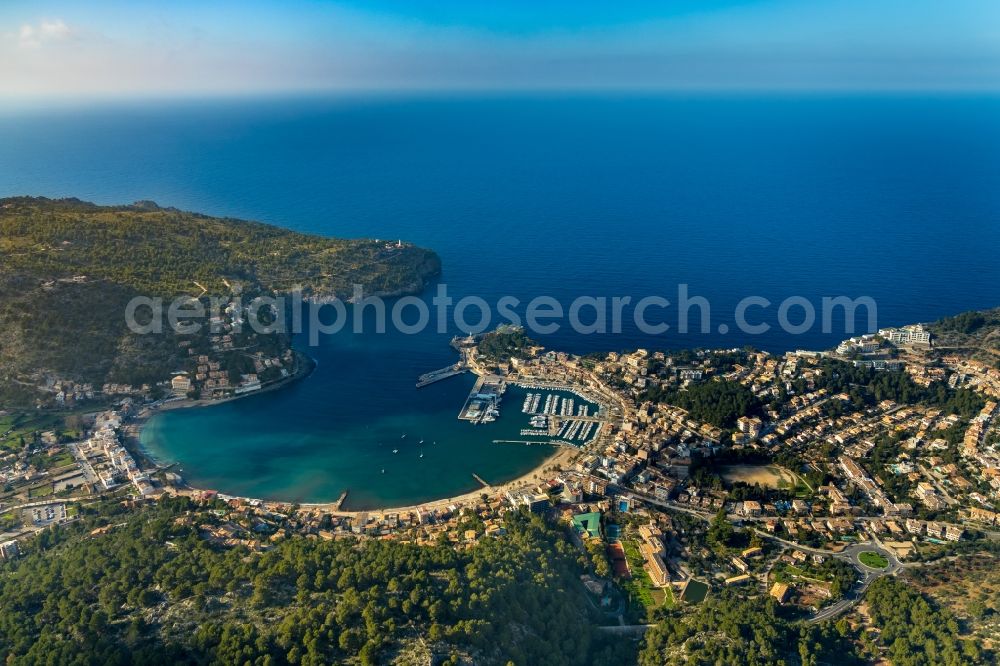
535	384
533	442
483	403
437	375
585	419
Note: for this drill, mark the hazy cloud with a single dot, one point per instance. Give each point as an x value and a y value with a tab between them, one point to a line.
104	48
34	35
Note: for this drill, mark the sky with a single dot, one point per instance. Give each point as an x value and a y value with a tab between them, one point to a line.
67	48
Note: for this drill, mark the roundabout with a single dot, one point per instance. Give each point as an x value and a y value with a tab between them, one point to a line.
873	560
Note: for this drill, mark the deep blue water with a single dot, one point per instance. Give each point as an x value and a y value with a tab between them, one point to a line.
896	198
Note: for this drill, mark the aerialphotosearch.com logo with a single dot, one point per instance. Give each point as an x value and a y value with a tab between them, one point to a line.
544	315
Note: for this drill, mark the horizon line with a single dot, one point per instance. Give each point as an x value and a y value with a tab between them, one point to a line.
490	91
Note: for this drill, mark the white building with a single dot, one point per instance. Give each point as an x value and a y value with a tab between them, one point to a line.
865	344
180	384
914	334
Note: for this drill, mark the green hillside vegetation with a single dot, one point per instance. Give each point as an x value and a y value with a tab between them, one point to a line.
965	323
975	333
153	591
505	343
717	402
727	629
164	252
968	587
866	386
914	631
70	268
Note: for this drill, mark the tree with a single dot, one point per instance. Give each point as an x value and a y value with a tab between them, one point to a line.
720	530
598	558
514	598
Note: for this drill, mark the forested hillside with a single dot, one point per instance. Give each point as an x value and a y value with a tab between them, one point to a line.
165	252
69	268
730	629
151	590
975	333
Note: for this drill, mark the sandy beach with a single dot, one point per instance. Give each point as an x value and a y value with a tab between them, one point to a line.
561	459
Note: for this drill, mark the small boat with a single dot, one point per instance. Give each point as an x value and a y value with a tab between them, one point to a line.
395	450
421	454
404	436
383	470
420	442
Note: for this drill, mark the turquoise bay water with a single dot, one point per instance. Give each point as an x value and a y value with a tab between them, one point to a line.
336	429
347	443
891	197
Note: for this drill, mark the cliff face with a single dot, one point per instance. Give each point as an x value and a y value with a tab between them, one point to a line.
68	269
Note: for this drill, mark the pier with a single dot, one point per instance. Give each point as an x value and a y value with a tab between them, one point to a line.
340	501
437	375
537	384
530	442
482	405
585	419
480	480
467	413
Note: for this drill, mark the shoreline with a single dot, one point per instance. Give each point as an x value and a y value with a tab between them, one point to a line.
560	458
138	423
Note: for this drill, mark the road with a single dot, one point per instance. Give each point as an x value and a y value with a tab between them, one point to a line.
88	470
937	484
634	630
851	554
50	500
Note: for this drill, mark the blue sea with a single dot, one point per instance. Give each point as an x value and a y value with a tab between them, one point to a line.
895	198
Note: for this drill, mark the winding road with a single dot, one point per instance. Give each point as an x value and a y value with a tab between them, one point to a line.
851	554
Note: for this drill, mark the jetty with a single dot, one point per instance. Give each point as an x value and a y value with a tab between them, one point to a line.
483	403
531	442
340	501
480	480
437	375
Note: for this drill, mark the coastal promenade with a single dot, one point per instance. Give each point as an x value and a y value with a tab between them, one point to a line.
562	458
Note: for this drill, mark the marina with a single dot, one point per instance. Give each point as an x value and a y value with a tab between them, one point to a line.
565	417
573	422
539	421
537	385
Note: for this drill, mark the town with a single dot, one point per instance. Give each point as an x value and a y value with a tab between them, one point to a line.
804	476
